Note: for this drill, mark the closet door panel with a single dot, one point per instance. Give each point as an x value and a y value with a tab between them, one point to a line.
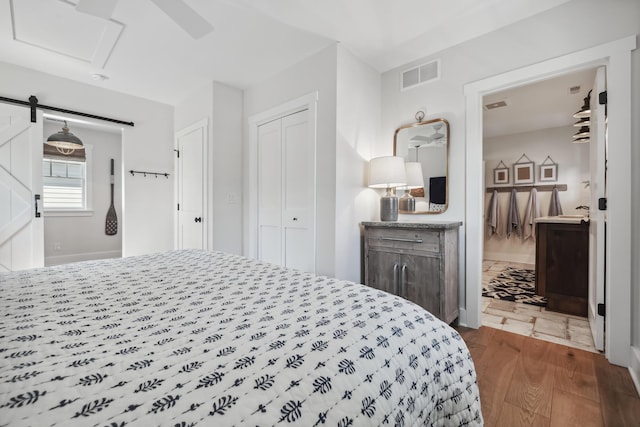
298	186
270	192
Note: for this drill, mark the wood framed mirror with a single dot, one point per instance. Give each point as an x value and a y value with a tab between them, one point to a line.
427	143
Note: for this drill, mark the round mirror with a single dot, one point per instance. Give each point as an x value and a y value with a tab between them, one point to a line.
425	143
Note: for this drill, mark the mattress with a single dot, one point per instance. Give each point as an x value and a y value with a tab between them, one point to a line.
186	338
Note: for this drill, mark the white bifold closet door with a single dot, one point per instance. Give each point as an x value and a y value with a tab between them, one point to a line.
286	192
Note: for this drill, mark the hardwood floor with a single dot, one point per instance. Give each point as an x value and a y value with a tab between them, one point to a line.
529	382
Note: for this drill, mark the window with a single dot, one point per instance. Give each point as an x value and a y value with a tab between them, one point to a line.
66	182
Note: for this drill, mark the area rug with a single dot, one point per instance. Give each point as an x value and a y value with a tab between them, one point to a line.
514	284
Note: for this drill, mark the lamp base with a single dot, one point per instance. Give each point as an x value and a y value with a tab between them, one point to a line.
388	208
407	203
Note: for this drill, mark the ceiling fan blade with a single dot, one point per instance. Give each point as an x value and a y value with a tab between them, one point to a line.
100	8
185	17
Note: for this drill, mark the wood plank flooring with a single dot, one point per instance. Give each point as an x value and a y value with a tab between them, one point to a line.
529	382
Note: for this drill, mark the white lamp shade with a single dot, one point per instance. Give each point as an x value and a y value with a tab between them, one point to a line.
414	175
387	172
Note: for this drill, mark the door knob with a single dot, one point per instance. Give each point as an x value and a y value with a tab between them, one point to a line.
198	219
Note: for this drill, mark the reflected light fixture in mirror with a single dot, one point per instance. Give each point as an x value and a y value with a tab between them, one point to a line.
64	141
387	172
415	179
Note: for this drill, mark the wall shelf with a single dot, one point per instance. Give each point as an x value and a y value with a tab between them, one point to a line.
520	188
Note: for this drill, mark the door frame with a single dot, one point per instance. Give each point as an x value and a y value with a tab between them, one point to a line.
204	125
616	56
305	102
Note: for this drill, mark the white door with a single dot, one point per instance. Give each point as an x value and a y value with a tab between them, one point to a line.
597	218
21	222
191	145
286	192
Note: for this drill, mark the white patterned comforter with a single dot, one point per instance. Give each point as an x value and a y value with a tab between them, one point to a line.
190	338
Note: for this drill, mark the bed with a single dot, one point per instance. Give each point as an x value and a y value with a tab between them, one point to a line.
187	338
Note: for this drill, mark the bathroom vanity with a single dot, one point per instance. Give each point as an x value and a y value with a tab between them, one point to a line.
562	263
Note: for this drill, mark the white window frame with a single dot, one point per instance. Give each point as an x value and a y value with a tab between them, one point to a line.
88	189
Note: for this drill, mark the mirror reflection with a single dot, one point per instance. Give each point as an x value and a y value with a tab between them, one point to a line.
426	143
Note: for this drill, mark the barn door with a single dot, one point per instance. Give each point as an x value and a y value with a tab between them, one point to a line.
21	221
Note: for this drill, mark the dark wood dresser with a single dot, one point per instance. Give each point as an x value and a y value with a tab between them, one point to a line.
562	266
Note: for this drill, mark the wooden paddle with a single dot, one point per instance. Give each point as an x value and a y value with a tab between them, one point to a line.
111	225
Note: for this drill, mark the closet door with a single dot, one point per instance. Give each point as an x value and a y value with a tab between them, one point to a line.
286	192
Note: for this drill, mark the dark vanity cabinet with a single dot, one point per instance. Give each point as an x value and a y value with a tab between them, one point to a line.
416	261
562	266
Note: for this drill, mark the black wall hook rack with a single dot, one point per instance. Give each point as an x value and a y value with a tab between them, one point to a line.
145	173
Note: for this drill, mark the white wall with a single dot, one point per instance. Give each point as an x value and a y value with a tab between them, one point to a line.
147	202
542	37
573	169
82	238
357	141
221	106
226	188
316	73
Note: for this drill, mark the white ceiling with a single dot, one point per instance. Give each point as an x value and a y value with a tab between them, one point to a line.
545	104
144	53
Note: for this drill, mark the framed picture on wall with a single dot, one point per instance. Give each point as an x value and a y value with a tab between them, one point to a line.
548	173
523	173
501	174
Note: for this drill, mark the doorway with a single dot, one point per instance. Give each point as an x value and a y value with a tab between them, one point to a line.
77	193
532	126
616	56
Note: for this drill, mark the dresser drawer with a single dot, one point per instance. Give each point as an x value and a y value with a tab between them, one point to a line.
398	238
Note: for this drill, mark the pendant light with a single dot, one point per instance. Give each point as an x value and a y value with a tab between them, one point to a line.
64	141
585	111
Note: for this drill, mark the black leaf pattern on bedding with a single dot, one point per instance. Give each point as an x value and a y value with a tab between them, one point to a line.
23	377
23	399
92	379
140	364
264	382
164	404
368	406
94	407
322	384
223	404
291	411
191	367
210	380
149	385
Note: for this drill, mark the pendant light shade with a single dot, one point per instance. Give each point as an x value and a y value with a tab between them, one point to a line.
582	133
586	121
64	141
585	110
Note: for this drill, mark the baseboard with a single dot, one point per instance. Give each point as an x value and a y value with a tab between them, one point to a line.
634	367
87	256
462	317
509	257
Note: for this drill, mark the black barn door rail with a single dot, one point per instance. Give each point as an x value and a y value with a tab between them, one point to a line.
33	104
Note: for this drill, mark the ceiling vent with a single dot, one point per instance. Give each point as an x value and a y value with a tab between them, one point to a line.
494	105
574	89
420	74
